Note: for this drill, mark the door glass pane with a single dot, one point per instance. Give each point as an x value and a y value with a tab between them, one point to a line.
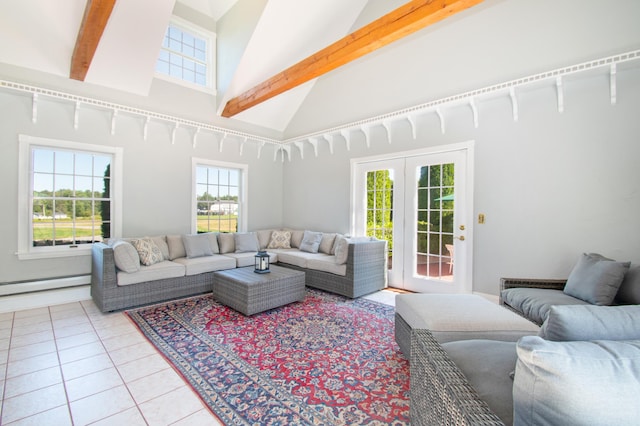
380	207
434	251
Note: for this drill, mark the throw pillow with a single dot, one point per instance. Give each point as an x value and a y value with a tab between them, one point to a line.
226	242
326	244
311	241
589	322
197	245
570	383
296	238
280	240
629	291
125	256
176	247
263	238
161	242
147	250
342	250
596	279
213	241
246	242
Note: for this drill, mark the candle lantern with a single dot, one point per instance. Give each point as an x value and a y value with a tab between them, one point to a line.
262	262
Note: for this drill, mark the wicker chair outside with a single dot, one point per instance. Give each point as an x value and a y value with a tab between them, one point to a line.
440	393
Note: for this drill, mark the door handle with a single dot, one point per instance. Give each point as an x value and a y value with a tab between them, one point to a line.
461	237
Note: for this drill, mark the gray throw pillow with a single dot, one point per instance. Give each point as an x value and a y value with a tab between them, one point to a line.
125	256
197	245
311	241
246	242
576	383
596	279
589	322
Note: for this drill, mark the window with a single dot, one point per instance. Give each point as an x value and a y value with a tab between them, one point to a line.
187	55
68	196
219	190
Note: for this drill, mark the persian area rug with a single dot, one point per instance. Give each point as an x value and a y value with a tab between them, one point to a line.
325	361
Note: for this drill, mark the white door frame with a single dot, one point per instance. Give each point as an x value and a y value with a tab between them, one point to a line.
464	272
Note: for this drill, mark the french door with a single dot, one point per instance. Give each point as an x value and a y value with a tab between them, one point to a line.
420	203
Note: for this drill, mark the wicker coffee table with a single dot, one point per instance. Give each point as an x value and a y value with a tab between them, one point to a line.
250	293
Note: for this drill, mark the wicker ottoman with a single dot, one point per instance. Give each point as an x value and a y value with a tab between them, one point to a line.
250	293
451	317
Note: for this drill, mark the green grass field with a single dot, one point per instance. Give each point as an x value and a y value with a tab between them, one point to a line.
217	223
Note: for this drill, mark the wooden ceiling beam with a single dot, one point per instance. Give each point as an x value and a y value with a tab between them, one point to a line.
96	16
401	22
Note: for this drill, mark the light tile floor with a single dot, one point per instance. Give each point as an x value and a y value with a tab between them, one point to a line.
73	365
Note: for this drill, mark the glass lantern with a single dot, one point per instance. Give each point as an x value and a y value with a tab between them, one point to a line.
262	262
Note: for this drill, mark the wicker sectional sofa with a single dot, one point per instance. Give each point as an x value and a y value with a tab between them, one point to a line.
581	369
126	273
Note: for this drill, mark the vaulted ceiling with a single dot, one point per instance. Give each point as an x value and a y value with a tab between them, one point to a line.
258	39
41	35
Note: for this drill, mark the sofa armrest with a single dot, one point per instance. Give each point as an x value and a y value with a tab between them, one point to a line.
551	284
440	393
103	272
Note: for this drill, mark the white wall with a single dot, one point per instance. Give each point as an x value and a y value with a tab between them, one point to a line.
157	175
495	41
552	185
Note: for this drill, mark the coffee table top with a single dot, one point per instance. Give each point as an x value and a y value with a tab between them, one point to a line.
247	275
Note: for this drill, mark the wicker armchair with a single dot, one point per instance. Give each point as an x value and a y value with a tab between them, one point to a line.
440	393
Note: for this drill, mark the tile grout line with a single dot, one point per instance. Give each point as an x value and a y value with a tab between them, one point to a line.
124	382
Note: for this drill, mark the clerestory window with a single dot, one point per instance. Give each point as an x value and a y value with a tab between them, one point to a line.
187	55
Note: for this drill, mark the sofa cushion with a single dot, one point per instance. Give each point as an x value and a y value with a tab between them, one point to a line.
534	303
213	241
452	317
590	322
326	243
629	291
249	258
246	242
576	383
161	242
596	279
199	265
197	245
264	237
296	237
311	241
157	271
341	249
176	247
280	240
326	263
297	257
226	242
125	256
148	251
487	364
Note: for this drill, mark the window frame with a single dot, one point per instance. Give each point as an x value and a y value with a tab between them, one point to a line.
210	38
26	250
242	190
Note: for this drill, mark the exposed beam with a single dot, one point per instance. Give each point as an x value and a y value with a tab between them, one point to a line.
393	26
96	16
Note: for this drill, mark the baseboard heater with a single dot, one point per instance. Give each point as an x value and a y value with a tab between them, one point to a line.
40	293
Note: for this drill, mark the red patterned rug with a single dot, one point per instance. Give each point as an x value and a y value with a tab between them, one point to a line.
325	361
